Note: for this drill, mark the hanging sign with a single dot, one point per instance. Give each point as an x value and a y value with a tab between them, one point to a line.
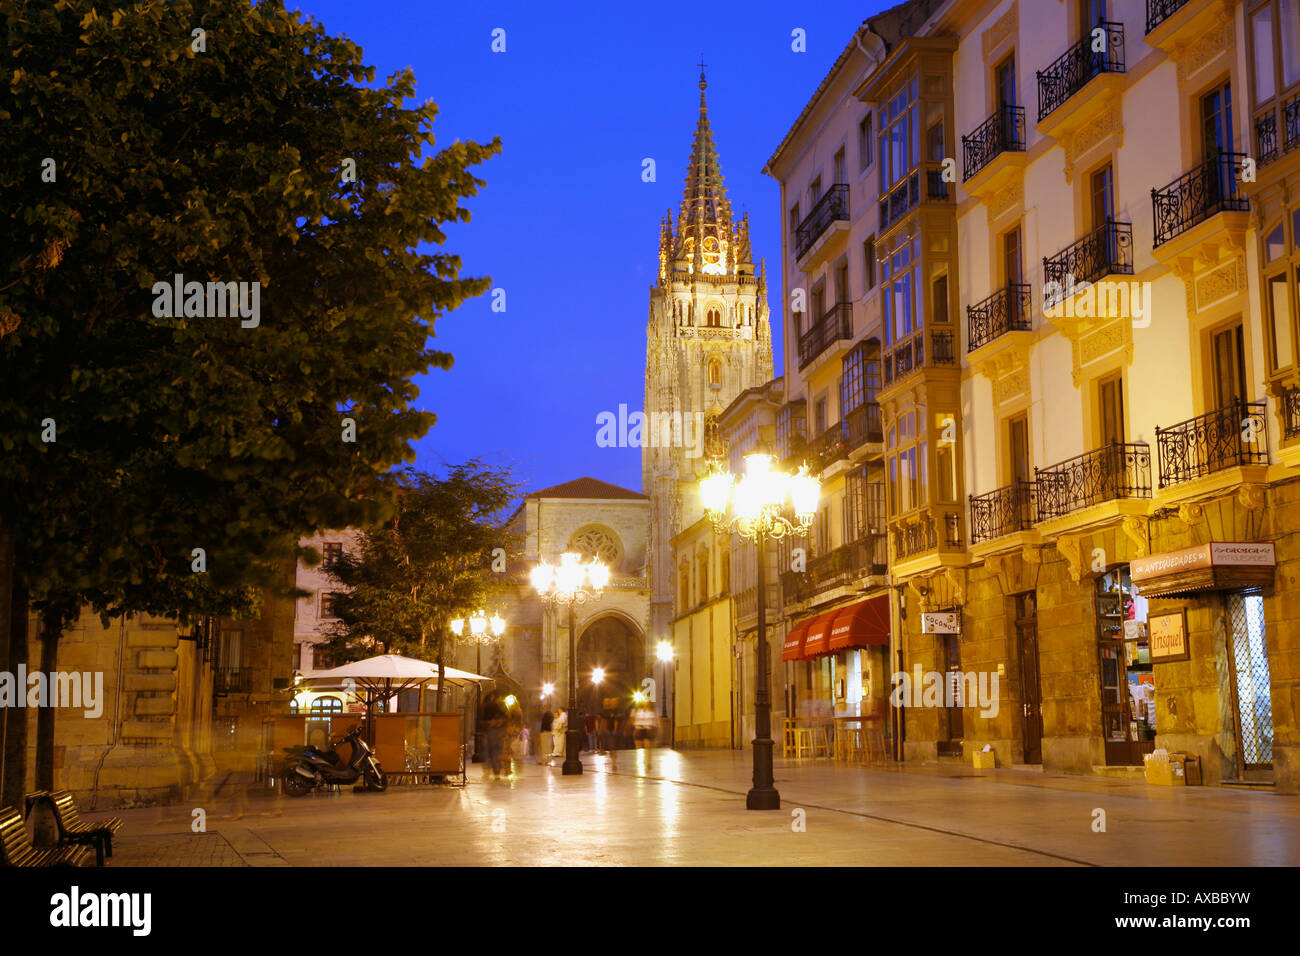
1168	640
940	622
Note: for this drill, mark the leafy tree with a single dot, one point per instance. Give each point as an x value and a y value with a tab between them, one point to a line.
431	562
131	434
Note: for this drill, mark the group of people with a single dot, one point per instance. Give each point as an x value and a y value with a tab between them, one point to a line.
506	738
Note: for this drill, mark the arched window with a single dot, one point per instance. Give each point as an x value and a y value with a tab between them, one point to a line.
715	372
715	318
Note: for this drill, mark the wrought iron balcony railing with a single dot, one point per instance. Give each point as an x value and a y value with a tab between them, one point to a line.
232	680
831	445
747	602
1266	138
837	568
864	425
1158	11
1002	132
1224	438
1077	66
836	324
1103	252
1291	124
833	205
1006	310
906	195
909	356
1001	512
1117	470
1291	413
1195	196
914	537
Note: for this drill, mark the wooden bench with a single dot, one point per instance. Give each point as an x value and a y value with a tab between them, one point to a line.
74	831
17	850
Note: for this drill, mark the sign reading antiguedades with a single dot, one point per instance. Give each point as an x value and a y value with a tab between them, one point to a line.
1213	554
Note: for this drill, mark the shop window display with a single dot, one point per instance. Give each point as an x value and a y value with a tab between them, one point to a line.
1127	680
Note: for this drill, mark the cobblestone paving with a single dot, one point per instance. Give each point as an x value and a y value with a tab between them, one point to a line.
175	849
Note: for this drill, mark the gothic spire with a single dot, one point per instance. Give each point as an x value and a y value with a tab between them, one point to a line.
704	231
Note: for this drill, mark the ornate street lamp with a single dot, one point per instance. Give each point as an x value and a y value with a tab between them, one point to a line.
757	507
665	654
482	630
570	582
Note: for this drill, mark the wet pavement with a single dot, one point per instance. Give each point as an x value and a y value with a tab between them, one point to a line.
663	808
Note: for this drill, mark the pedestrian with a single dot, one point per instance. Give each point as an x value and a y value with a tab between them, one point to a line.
492	717
559	727
589	725
545	739
644	726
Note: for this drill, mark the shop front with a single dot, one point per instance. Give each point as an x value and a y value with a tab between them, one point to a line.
840	661
1128	692
1222	587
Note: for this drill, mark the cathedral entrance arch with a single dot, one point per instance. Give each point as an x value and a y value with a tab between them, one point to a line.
612	643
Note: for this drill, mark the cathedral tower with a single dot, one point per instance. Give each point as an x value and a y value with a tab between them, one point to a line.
707	340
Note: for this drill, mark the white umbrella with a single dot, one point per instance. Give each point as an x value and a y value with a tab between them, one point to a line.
387	668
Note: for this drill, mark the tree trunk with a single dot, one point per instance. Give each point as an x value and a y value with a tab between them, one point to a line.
6	601
15	781
46	829
437	701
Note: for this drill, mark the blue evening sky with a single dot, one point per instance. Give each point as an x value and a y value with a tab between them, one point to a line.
566	226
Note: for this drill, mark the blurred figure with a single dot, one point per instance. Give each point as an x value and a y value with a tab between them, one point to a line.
559	727
644	726
492	717
545	739
589	725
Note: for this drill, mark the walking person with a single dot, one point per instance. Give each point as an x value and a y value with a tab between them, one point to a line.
492	717
545	739
644	726
589	725
559	727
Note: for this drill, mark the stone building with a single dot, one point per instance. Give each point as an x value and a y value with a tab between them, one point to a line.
708	339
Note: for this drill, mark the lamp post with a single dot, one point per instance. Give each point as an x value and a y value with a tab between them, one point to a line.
755	507
665	654
483	630
570	582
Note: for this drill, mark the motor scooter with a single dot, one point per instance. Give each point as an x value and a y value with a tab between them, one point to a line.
309	767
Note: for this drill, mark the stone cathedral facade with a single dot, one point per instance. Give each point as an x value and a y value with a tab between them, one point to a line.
707	340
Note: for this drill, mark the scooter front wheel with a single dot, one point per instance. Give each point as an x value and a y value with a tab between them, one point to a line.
377	780
295	784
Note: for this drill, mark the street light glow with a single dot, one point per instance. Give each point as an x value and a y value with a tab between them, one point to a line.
548	690
597	675
665	651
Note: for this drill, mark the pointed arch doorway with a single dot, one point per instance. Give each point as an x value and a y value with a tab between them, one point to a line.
617	646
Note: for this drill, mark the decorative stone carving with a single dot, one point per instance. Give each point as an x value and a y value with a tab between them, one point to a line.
1031	554
1003	28
1012	386
1007	199
1191	512
1206	48
1069	548
1135	529
1106	127
1251	496
1217	285
957	583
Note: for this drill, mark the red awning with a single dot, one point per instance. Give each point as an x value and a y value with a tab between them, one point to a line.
792	650
861	624
819	635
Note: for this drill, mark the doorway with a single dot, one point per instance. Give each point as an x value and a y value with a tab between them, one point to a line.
1251	684
1031	688
951	731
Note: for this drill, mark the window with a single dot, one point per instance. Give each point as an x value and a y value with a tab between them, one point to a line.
908	478
715	372
939	297
823	529
1018	449
868	264
899	136
1102	196
1110	410
702	575
790	428
842	282
852	385
794	219
818	303
1281	254
724	574
1216	122
819	416
1004	80
1091	12
327	604
898	304
1228	367
841	174
714	318
297	655
1261	35
1273	36
864	503
814	191
1013	268
684	584
331	551
865	144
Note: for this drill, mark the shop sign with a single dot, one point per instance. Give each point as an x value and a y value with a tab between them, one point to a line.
1213	554
940	622
1168	636
1135	630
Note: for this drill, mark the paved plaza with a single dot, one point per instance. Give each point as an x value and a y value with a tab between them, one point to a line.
666	808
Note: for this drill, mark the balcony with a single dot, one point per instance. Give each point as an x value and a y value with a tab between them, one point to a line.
907	195
835	325
1006	310
831	208
994	151
1291	414
864	427
1114	471
1158	11
747	604
840	568
1212	442
1007	510
924	532
1077	67
1266	139
795	452
1209	189
1105	252
830	446
909	356
232	680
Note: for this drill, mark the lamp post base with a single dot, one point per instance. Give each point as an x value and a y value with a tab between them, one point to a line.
479	747
763	795
572	750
